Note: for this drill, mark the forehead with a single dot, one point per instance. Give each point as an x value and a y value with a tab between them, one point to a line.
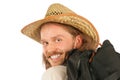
54	26
53	29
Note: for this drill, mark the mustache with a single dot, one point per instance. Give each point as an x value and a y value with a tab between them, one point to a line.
48	54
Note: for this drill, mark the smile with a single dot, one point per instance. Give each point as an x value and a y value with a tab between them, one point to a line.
56	56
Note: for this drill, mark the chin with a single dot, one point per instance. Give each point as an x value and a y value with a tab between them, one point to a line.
57	64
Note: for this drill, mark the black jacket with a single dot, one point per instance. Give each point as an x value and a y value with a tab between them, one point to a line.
104	66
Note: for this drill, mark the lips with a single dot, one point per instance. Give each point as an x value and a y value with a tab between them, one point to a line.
55	56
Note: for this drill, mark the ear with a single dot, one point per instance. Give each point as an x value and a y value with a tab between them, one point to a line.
78	42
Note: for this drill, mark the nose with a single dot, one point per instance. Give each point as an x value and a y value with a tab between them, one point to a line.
51	48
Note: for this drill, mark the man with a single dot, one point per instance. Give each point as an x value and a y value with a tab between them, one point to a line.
60	32
55	26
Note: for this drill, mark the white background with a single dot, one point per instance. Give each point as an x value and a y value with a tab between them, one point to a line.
20	56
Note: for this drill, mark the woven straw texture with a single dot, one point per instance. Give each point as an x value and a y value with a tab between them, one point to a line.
61	14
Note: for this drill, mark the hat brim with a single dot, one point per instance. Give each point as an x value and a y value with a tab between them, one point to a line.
33	30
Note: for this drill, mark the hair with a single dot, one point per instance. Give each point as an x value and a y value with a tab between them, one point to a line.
87	42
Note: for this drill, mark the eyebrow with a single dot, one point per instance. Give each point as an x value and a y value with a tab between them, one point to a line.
58	36
54	37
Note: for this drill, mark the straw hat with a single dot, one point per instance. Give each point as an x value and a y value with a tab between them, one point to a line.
61	14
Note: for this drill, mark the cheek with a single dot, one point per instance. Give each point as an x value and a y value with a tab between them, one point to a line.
66	46
44	51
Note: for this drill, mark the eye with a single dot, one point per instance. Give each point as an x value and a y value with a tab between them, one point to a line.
58	40
44	43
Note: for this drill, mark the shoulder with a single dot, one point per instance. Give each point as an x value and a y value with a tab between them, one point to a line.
55	73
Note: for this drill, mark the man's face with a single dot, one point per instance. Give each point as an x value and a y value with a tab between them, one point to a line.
56	41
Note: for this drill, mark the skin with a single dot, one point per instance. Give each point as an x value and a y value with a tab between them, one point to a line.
57	41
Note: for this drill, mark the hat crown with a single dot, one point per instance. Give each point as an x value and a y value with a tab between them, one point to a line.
57	9
61	14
